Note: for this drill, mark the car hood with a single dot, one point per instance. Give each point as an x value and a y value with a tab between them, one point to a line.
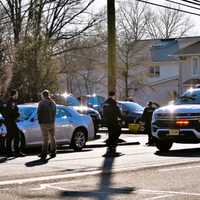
184	108
84	109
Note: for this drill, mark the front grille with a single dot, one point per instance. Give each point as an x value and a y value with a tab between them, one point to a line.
171	124
177	115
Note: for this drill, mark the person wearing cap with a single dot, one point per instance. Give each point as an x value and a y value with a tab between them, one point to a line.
146	118
10	115
111	115
46	118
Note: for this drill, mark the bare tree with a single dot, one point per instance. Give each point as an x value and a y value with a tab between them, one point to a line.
84	66
168	23
38	26
5	68
132	24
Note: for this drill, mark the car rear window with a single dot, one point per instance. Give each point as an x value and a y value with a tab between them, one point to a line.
26	113
132	106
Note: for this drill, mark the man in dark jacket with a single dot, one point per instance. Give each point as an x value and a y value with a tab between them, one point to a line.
10	113
111	115
146	118
46	118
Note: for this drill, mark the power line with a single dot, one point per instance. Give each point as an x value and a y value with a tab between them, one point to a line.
159	5
181	4
191	2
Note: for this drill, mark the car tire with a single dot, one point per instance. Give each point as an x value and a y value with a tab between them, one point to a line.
78	140
163	145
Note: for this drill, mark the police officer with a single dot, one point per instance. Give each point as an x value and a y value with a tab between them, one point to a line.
111	115
10	115
146	118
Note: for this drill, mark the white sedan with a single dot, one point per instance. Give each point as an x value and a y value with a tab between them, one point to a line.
70	127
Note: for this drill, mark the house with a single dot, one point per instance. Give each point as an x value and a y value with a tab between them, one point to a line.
189	66
161	70
174	65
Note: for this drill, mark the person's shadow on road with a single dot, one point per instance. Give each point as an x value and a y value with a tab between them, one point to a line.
37	162
3	159
105	189
193	152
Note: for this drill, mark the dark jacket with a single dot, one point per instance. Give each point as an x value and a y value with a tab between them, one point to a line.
111	111
147	115
46	111
148	112
10	111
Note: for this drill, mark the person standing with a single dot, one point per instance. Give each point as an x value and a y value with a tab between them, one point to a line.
46	118
111	115
10	114
146	118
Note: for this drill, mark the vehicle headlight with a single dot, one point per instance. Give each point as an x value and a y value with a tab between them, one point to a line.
154	117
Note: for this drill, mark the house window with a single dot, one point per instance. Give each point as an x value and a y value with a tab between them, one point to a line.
195	66
154	71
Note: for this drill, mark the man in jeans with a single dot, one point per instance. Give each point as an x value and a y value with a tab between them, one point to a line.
46	118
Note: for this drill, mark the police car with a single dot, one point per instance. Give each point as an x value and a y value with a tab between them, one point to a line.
179	122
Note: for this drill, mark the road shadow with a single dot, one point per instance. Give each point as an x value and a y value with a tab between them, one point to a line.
194	152
99	145
37	162
3	159
105	188
61	150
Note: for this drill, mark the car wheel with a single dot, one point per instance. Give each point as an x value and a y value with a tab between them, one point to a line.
163	146
78	140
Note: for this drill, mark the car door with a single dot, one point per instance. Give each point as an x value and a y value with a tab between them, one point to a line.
32	129
63	125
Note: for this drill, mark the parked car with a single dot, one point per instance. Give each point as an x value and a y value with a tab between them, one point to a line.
131	113
70	127
70	100
93	101
179	122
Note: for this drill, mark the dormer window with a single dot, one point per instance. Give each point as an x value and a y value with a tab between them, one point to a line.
154	71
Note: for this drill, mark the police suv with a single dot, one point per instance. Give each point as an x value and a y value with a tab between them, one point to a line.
179	122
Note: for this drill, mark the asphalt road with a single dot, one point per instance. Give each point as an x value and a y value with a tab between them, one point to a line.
139	173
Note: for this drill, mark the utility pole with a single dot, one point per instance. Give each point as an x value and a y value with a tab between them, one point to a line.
111	45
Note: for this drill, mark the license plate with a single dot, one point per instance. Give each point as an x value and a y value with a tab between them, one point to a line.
173	132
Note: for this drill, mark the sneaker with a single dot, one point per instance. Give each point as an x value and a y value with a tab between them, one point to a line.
150	144
52	155
20	154
42	156
110	152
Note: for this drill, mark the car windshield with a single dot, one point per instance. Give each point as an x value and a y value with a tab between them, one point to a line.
133	106
96	100
189	97
72	101
26	113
